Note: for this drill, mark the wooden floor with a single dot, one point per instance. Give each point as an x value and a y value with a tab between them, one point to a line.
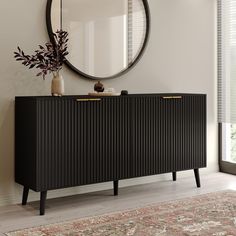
62	209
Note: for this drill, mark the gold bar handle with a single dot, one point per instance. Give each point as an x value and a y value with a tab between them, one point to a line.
88	99
172	97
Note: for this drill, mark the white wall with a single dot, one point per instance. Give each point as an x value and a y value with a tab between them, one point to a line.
180	58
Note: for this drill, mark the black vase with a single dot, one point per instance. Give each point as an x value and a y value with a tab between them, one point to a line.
98	87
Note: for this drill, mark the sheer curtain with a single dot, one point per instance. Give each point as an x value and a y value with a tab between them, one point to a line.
227	61
227	84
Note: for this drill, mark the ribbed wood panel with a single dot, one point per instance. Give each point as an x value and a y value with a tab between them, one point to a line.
168	134
82	142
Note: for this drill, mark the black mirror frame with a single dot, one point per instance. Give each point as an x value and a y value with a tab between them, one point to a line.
147	35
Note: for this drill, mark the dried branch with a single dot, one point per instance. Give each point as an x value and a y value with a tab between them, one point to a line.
48	59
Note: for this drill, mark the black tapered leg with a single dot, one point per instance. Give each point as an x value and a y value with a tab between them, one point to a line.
197	177
116	186
43	197
25	196
174	176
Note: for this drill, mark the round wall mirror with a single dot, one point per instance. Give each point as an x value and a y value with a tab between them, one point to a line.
106	37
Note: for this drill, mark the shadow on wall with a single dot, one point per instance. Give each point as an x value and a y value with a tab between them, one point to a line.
7	148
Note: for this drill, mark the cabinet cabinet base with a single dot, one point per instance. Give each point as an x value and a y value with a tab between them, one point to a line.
196	174
25	196
174	176
43	197
197	177
43	194
116	187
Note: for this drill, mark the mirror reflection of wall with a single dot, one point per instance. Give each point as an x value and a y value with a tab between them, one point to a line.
56	15
105	36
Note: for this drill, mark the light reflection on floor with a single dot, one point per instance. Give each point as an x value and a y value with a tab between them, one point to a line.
232	186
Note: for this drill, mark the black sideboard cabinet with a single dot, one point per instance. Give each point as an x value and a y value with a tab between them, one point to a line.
77	140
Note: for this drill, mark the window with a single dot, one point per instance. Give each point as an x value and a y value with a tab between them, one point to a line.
227	84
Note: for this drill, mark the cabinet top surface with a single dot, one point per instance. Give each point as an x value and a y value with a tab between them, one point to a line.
130	95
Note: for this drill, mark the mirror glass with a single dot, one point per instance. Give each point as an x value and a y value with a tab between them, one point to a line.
106	37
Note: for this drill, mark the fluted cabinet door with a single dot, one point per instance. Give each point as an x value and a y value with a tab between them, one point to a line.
57	138
188	140
108	138
168	134
82	142
146	136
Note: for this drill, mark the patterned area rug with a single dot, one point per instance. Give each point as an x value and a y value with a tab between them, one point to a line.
210	214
